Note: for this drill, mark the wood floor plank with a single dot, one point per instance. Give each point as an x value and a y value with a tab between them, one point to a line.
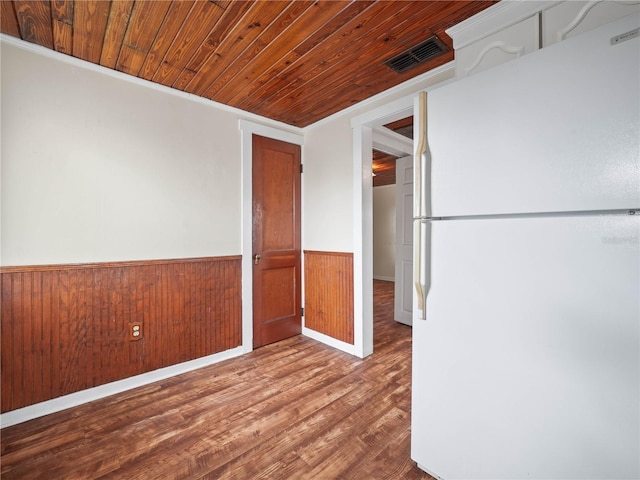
296	409
298	432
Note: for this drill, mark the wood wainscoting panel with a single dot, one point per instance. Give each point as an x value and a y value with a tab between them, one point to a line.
66	328
328	293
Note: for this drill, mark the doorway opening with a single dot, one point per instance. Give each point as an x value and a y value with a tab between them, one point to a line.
392	225
369	133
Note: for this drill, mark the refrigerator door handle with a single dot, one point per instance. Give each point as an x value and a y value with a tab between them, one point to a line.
418	210
421	136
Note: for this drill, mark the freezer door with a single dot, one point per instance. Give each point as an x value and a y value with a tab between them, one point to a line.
556	130
527	365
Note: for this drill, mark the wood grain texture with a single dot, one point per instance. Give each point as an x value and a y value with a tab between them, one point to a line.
328	294
66	328
165	37
370	29
277	218
288	72
144	22
253	24
296	61
200	20
114	34
266	36
8	20
233	16
296	409
294	34
34	18
90	19
62	25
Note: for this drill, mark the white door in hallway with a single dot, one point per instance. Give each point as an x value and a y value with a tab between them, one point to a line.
403	295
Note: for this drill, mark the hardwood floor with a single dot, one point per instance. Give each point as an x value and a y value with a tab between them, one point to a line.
296	410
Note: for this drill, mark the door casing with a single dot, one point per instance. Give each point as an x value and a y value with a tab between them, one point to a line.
362	127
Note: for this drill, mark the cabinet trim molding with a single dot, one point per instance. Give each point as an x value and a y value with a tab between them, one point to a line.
510	50
582	14
493	19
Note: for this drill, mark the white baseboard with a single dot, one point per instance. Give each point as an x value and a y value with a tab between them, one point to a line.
332	342
78	398
386	279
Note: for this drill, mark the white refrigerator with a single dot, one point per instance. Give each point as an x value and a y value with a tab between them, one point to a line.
526	338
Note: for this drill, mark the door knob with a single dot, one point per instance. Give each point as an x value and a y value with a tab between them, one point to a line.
256	258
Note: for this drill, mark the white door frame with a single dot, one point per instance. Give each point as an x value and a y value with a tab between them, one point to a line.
365	129
248	129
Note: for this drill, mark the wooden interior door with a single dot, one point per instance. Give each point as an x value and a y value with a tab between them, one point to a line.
276	241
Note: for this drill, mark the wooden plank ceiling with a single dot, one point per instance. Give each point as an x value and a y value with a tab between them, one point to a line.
295	61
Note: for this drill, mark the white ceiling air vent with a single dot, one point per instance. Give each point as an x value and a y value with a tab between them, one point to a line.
430	48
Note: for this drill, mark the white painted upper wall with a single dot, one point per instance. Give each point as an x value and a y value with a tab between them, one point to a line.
99	168
384	232
329	166
327	187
